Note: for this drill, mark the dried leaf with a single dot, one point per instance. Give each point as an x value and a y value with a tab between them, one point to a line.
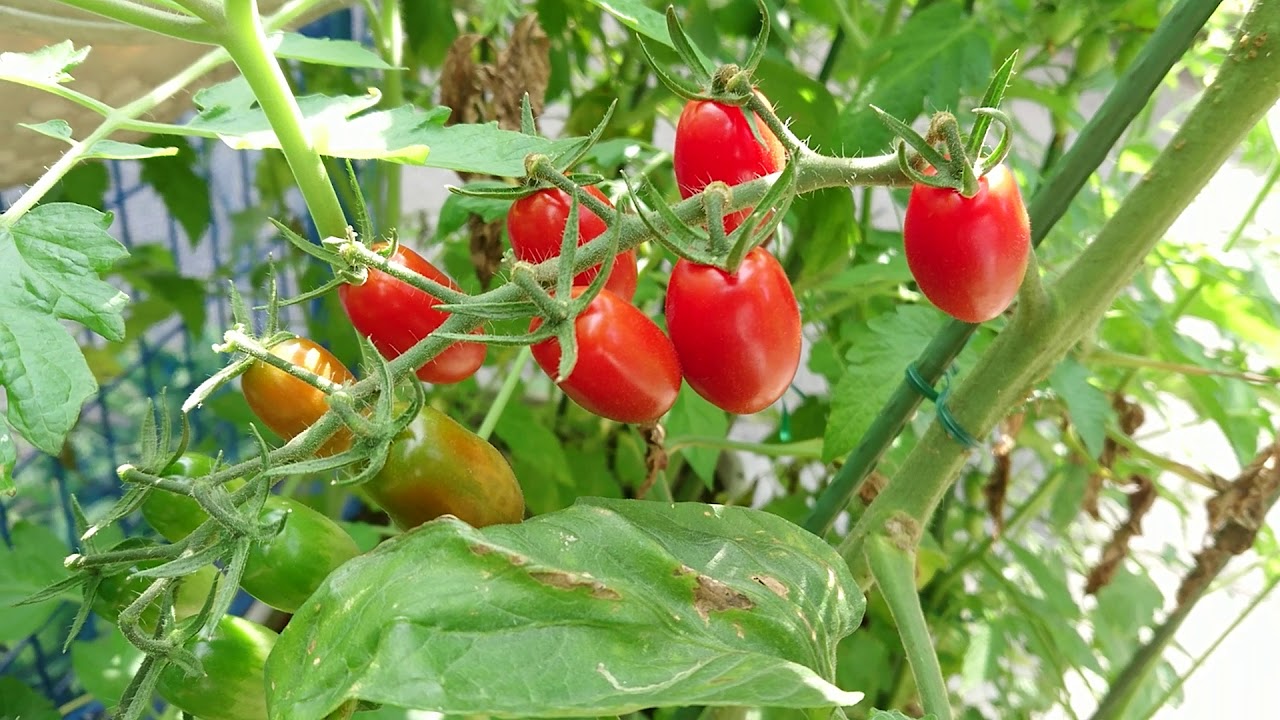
486	247
461	88
1140	502
523	66
655	455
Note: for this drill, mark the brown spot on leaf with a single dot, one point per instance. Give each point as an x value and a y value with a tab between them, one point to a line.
711	595
480	549
573	581
773	584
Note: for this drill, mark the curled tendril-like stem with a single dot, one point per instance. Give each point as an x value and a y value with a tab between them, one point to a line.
985	163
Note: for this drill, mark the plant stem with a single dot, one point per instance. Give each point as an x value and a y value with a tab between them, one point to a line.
246	42
1175	34
1115	359
508	388
391	25
162	22
894	567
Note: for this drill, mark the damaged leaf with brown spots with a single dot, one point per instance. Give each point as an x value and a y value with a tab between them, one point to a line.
603	608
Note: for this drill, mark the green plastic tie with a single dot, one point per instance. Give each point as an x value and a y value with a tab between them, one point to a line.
939	399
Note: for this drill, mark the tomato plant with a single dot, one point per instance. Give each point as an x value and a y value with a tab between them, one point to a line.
395	316
737	334
627	369
968	255
714	142
438	467
233	686
536	225
288	405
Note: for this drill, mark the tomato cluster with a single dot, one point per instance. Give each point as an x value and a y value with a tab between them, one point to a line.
734	336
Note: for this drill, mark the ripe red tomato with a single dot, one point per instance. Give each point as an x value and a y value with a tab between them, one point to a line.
968	255
715	142
626	370
288	405
536	225
395	316
737	336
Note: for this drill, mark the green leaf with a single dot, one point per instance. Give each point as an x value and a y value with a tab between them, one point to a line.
826	232
881	351
178	182
536	455
324	51
692	416
33	563
1088	406
106	664
458	208
895	715
44	68
927	65
22	703
49	266
430	29
637	16
402	135
573	608
1125	606
102	149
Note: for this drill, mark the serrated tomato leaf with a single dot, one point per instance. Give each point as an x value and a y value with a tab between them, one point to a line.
50	262
603	608
340	127
881	351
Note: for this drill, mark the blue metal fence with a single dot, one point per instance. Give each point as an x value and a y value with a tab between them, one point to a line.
169	355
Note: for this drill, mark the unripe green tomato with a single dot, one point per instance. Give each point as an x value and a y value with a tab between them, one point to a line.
1128	51
284	570
233	686
438	467
1093	54
281	571
116	592
1059	20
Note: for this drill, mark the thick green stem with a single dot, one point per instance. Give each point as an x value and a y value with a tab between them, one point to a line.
894	567
1246	87
246	42
1176	33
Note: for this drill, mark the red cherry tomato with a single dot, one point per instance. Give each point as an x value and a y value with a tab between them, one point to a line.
395	316
737	336
626	370
715	142
536	225
968	255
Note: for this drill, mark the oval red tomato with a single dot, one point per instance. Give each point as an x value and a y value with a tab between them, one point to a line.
288	405
395	316
715	142
968	255
536	226
737	336
627	369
